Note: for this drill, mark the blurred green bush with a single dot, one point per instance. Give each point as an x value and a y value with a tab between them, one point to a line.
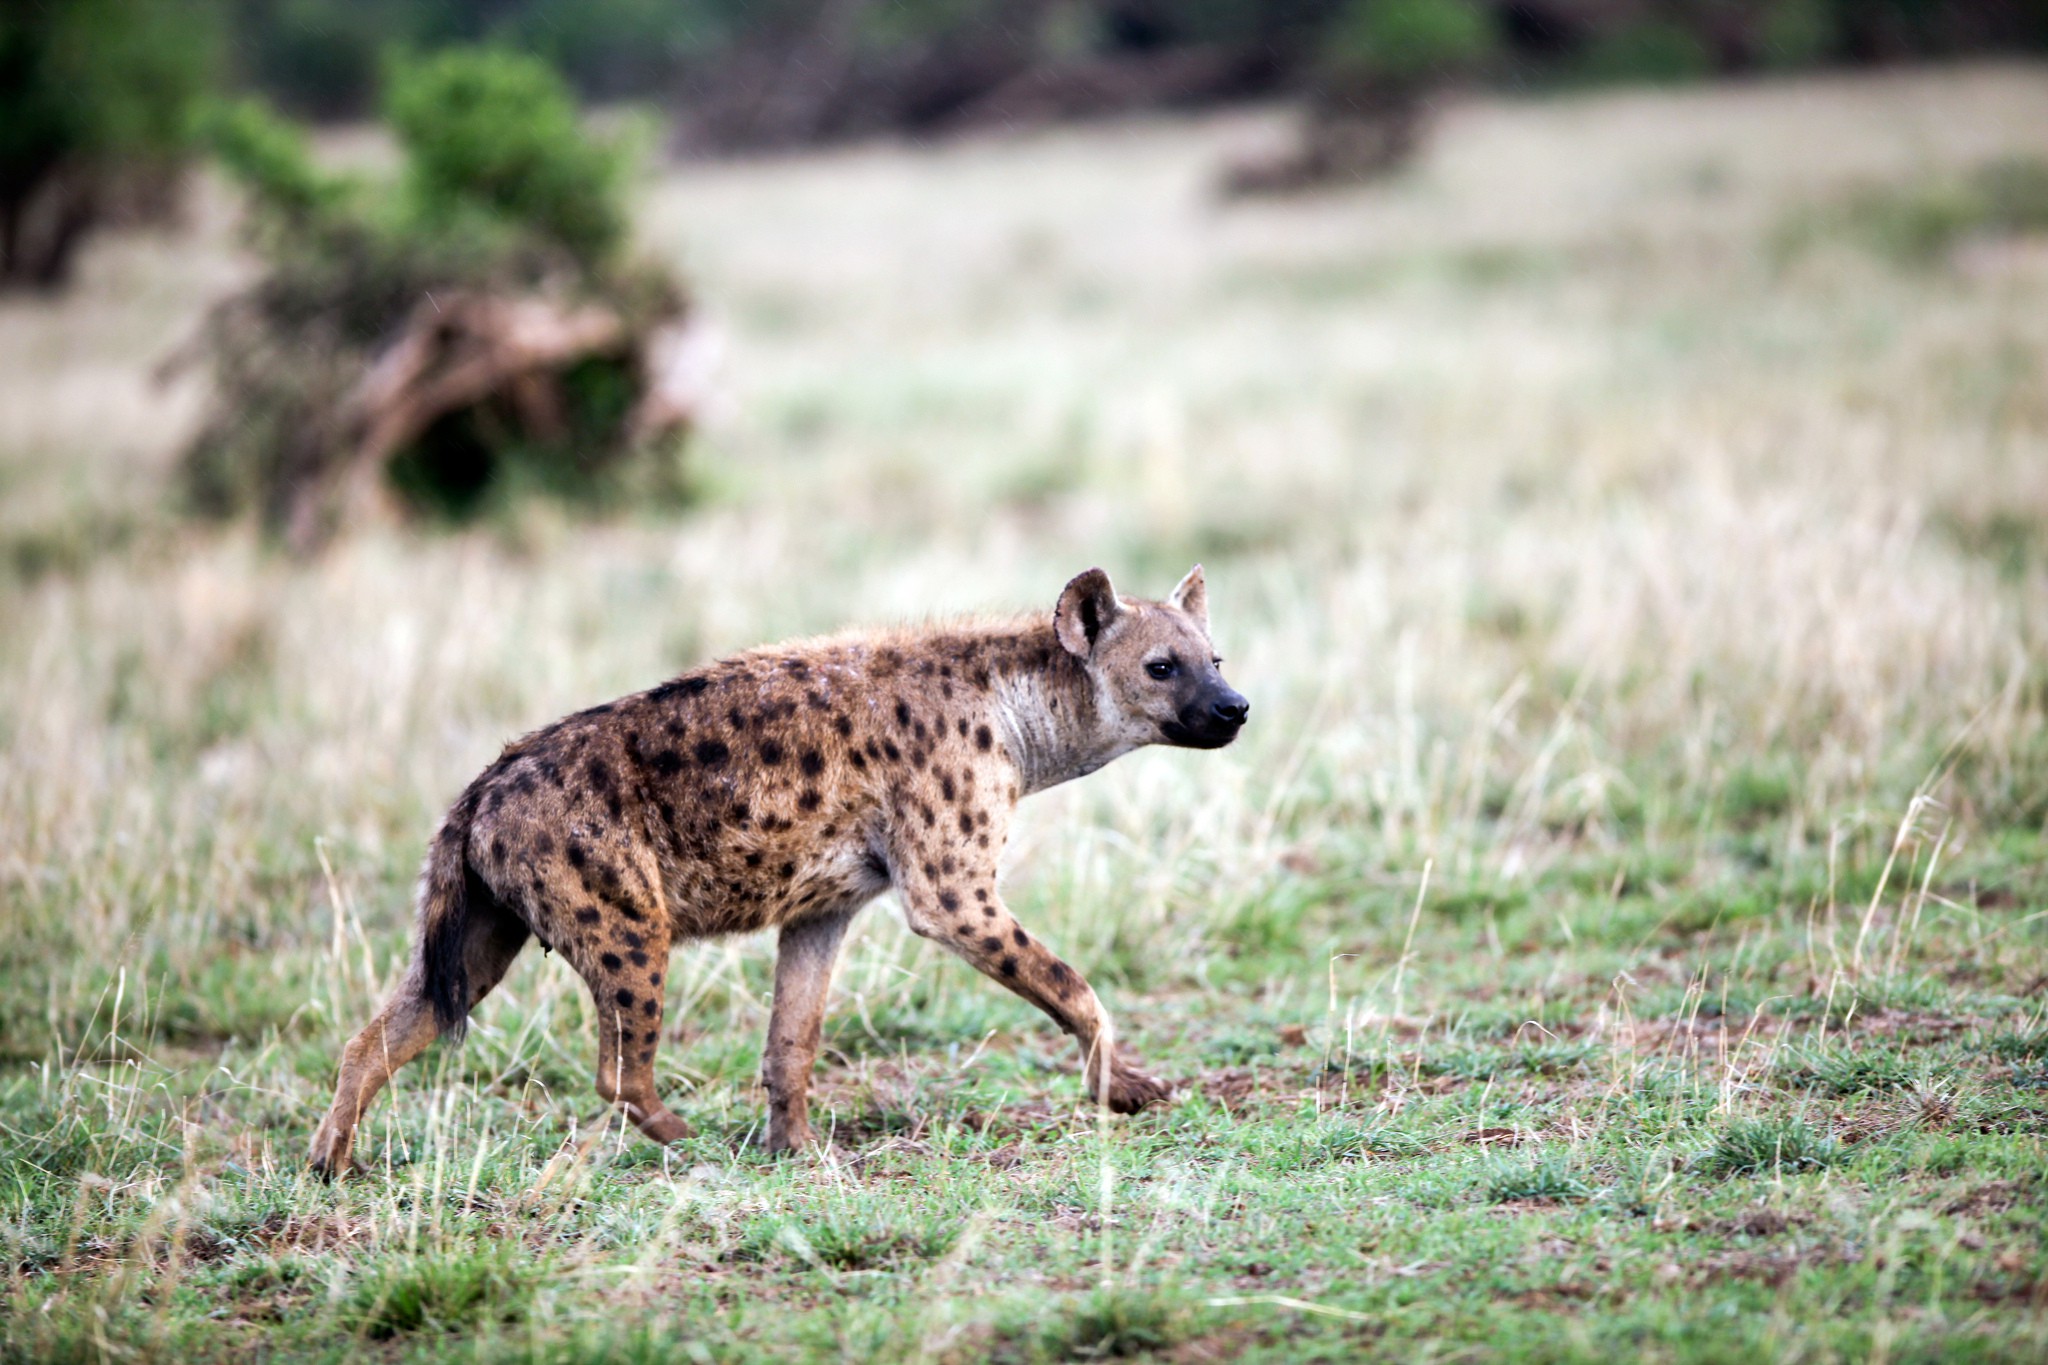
446	340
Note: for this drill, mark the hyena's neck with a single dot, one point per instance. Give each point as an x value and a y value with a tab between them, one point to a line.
1046	709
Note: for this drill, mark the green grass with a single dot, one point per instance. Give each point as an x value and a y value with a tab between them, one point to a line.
1621	934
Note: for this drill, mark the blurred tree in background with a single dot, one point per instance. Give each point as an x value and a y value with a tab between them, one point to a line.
756	73
98	102
1379	65
444	341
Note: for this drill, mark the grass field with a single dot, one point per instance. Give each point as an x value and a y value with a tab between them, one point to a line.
1622	933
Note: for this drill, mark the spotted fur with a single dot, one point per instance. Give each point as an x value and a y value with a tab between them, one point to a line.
785	788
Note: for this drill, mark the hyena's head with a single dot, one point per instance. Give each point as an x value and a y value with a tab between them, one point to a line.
1155	671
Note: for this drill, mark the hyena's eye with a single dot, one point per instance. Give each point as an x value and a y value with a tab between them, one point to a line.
1162	669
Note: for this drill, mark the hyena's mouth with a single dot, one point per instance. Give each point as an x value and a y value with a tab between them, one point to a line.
1214	734
1207	738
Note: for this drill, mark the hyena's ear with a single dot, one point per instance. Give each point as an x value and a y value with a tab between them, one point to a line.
1192	597
1087	608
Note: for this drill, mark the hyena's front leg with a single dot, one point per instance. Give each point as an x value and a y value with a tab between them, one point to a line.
803	974
964	913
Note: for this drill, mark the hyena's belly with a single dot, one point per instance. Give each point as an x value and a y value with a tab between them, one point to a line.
771	883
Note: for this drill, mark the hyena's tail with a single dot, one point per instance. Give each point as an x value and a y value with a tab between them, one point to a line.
451	898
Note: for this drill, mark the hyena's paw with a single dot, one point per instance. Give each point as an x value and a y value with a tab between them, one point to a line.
1131	1090
330	1157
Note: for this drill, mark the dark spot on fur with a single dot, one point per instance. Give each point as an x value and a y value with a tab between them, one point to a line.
931	872
895	754
612	963
981	894
946	787
843	726
633	940
679	687
984	738
651	1008
736	718
949	902
712	753
668	763
1020	938
589	914
771	752
1009	966
992	943
650	1035
498	848
812	762
625	997
754	858
654	978
786	871
967	822
639	959
858	759
902	711
808	799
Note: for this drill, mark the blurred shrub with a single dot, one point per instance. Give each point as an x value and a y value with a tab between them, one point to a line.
459	336
1650	50
1797	33
494	133
1379	64
97	105
1407	41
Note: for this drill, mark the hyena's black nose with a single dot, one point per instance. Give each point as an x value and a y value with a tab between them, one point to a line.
1231	710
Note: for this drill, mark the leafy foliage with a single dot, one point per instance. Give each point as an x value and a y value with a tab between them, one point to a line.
1408	40
98	100
503	194
489	132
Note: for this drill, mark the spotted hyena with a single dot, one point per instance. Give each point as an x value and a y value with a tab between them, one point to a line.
786	788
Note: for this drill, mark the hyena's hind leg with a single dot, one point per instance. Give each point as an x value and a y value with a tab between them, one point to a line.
492	937
620	948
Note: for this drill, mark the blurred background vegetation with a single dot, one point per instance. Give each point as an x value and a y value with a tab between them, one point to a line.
554	360
99	98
